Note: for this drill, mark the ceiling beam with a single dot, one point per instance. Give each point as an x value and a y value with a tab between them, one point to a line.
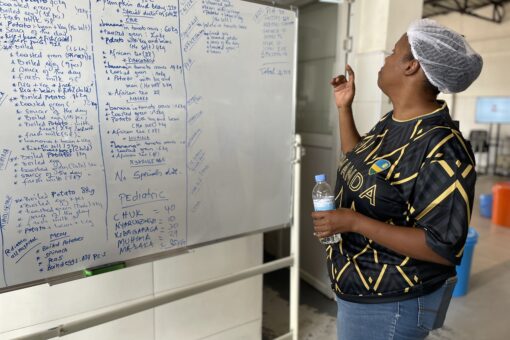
498	11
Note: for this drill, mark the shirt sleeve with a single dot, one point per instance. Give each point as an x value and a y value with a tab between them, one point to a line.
442	200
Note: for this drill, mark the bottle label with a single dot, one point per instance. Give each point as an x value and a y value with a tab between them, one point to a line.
323	204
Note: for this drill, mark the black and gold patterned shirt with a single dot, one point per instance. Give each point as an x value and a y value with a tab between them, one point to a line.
416	174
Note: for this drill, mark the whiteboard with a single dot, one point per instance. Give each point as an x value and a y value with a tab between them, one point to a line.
135	127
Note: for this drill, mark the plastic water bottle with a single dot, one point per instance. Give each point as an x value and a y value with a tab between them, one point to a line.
323	199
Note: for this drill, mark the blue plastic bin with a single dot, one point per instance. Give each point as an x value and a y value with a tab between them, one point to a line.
486	205
463	270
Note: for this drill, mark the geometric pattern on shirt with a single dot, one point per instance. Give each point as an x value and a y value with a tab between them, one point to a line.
371	280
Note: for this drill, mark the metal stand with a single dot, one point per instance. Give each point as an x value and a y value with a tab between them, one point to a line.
496	145
294	247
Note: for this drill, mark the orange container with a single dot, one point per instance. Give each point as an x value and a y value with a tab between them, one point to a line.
501	204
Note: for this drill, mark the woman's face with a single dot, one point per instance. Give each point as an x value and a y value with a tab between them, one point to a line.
392	72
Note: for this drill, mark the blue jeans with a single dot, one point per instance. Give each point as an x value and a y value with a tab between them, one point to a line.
404	320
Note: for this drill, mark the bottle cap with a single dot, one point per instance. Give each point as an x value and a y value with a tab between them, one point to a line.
320	178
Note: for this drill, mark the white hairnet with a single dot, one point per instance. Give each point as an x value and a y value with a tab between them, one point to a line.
446	58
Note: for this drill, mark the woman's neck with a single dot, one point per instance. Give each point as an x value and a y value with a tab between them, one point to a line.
414	107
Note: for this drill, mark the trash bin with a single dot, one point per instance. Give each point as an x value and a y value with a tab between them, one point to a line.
463	270
486	205
501	204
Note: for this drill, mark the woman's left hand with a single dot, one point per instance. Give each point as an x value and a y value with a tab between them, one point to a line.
327	223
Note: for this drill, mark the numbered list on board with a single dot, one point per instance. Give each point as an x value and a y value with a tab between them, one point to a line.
93	148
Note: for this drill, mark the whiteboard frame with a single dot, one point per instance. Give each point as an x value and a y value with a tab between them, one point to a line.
291	261
76	275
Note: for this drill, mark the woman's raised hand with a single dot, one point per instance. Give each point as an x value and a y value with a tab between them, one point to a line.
344	89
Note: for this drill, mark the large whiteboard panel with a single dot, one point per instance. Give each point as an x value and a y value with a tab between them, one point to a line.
132	127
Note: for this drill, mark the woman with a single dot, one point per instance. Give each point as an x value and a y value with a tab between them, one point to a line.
404	192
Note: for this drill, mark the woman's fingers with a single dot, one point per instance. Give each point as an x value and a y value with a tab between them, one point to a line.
319	214
321	228
321	223
322	234
341	79
350	72
338	80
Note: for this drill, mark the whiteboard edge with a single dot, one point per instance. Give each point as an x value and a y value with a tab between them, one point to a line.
55	280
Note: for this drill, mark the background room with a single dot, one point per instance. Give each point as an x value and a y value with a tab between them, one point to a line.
374	26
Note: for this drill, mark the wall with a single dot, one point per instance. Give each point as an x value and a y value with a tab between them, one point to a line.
233	311
492	41
377	26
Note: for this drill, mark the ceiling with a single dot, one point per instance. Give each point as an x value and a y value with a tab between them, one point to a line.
430	7
466	7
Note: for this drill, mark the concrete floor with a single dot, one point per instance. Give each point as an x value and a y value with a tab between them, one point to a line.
481	314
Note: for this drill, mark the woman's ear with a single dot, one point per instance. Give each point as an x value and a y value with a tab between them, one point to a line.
412	67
